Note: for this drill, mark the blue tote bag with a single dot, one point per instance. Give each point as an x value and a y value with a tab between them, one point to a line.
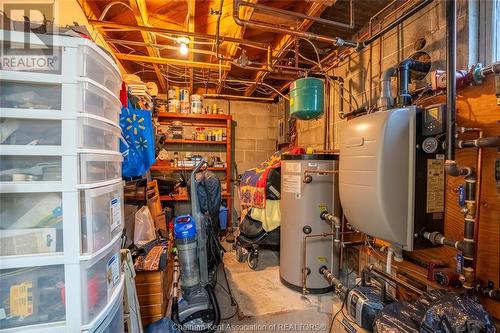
137	144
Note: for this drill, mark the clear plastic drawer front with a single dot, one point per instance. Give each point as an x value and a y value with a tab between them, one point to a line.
32	296
98	102
95	134
98	69
30	168
26	95
30	223
95	168
102	216
100	278
36	132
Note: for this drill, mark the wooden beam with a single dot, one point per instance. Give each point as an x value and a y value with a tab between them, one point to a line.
191	25
91	11
280	45
141	14
246	14
170	61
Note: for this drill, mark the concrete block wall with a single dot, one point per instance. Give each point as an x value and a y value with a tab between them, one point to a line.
388	51
255	134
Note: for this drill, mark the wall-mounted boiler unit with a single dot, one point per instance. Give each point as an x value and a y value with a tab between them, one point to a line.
391	174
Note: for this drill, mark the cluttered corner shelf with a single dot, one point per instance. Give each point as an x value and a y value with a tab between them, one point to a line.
212	120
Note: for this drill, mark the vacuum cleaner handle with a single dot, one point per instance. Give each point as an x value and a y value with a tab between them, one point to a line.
195	205
201	233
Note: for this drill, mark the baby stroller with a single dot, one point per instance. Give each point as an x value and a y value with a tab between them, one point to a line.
252	235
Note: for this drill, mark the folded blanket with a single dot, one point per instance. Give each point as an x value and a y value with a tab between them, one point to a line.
253	181
269	216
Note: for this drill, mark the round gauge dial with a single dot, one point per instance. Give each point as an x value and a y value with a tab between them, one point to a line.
430	145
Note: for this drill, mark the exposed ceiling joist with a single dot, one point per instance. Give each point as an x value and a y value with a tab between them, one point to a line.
141	14
283	43
239	33
170	61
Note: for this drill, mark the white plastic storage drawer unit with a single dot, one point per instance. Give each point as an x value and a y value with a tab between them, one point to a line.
30	95
31	296
87	59
98	102
99	68
30	223
96	134
31	92
34	132
114	321
96	168
19	168
100	277
102	216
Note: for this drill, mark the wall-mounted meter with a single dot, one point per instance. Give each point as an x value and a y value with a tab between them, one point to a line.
434	121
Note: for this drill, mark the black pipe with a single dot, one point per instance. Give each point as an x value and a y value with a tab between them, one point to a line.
493	141
404	71
397	22
451	86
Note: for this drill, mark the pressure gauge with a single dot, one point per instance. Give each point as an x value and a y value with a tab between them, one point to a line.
430	145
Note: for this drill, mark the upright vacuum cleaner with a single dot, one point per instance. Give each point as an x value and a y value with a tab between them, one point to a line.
199	255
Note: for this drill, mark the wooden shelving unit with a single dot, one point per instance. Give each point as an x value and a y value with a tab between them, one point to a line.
201	120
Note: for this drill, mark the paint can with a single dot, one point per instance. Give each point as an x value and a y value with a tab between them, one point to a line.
196	104
173	105
173	93
184	95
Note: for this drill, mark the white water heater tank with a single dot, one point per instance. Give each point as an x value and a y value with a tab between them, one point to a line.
377	174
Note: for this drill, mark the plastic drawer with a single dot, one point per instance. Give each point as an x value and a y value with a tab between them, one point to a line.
102	216
30	168
114	322
95	134
15	131
30	223
32	296
98	102
98	69
100	277
95	168
26	95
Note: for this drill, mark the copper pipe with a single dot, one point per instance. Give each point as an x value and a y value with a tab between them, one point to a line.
479	171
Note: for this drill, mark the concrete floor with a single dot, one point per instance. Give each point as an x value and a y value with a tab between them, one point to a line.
264	303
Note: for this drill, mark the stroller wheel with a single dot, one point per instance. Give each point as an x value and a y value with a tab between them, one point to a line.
239	253
253	259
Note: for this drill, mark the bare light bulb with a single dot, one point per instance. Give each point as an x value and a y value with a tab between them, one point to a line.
183	49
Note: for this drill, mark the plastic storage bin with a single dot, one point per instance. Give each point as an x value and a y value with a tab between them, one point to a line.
95	134
96	168
30	223
27	95
102	216
96	101
113	323
100	277
98	69
32	296
30	168
38	132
